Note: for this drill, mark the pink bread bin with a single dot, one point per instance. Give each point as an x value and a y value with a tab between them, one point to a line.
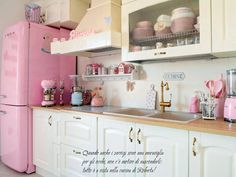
97	101
182	20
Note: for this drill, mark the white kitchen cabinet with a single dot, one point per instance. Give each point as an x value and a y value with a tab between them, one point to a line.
223	27
46	148
52	13
172	144
184	44
71	162
115	136
78	134
131	137
65	13
212	155
79	130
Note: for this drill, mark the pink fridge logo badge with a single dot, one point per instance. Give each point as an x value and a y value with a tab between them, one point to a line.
10	72
11	35
10	58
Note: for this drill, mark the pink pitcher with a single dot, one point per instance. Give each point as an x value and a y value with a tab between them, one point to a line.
97	101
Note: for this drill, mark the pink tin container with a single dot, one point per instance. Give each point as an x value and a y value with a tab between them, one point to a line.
140	33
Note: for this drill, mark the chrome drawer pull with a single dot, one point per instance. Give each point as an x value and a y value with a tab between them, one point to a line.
130	135
78	118
138	136
50	120
196	147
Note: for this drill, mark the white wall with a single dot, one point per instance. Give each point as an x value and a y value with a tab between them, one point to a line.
196	73
11	11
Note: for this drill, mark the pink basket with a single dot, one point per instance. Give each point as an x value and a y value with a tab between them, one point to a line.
32	13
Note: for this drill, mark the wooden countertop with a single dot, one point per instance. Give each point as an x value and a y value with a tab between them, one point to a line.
218	126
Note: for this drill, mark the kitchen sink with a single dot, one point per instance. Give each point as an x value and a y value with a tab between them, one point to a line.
132	112
182	117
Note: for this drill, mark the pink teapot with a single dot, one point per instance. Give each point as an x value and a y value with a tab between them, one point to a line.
97	101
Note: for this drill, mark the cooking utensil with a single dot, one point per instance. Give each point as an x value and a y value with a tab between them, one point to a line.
223	91
210	86
216	87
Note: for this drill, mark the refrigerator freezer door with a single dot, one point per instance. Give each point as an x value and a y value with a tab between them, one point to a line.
14	69
14	122
42	65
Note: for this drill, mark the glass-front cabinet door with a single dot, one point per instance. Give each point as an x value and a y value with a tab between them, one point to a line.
161	29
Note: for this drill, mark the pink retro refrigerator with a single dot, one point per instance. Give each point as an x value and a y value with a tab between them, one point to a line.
26	61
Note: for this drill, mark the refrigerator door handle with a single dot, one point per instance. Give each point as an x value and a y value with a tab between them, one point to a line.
3	96
2	113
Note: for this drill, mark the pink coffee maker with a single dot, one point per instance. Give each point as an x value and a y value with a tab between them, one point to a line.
230	102
49	89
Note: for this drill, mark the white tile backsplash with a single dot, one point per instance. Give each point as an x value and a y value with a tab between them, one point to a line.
196	71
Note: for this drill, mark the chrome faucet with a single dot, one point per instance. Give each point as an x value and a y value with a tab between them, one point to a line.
164	103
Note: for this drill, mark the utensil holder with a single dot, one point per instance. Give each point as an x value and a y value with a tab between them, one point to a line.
208	110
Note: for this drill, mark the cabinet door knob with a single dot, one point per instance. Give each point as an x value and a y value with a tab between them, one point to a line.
77	118
196	147
50	120
131	135
138	136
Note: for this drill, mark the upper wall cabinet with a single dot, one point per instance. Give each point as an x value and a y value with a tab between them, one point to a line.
159	29
223	28
65	13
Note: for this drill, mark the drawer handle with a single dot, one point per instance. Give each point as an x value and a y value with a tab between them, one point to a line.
76	152
160	53
138	136
50	120
3	96
196	147
77	118
2	113
131	134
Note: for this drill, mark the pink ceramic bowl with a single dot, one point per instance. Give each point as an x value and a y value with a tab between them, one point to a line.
182	24
144	24
140	33
135	48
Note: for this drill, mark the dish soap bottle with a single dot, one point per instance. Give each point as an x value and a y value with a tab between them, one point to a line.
194	104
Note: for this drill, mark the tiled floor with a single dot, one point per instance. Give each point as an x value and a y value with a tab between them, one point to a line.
6	172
